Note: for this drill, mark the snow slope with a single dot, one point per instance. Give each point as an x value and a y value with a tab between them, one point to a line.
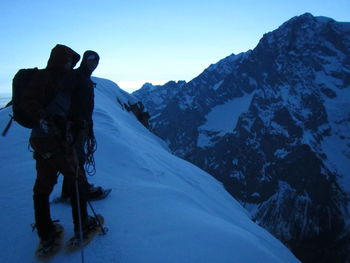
162	208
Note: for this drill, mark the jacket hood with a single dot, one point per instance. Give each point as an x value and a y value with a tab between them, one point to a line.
83	64
60	55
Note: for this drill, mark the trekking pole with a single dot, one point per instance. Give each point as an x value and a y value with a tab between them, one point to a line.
103	229
79	213
7	126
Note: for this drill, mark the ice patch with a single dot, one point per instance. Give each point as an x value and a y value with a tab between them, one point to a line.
253	82
222	119
256	194
187	102
281	153
218	85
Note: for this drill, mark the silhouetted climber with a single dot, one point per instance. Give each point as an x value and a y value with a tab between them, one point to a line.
80	115
48	99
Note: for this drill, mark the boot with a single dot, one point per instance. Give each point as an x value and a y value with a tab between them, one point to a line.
51	244
95	193
90	224
55	233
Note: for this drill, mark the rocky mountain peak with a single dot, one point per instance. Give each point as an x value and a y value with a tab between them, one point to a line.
272	125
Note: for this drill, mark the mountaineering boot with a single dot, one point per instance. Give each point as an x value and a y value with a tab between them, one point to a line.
50	245
91	224
93	193
97	193
91	227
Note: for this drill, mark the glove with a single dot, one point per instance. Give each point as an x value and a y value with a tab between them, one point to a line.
53	124
44	125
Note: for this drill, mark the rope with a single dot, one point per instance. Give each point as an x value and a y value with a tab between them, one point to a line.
90	148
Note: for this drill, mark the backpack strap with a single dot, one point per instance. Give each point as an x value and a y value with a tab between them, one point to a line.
7	126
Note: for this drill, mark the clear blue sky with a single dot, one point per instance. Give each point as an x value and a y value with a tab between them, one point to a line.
139	41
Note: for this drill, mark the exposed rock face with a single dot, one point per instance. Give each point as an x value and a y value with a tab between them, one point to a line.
273	125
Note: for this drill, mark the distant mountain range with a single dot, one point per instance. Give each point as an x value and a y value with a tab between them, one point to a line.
273	125
4	99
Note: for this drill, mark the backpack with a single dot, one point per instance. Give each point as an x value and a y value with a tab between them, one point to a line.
20	83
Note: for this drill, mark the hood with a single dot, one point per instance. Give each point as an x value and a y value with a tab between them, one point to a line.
60	55
83	65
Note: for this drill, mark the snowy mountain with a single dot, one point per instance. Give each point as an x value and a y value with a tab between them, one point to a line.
162	208
273	125
4	99
163	93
